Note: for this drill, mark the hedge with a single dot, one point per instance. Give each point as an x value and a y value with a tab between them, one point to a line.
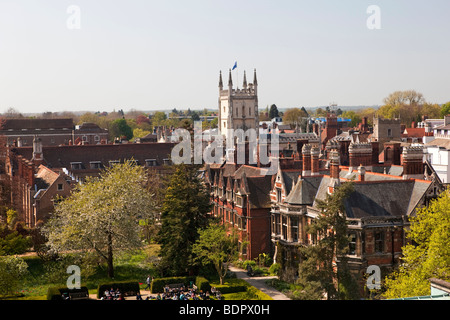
234	286
128	288
55	293
202	284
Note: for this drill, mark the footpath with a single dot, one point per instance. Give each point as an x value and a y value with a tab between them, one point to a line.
259	283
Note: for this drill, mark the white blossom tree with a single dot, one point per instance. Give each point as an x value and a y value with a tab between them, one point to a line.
102	214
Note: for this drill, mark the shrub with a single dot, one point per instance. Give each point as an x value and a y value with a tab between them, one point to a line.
14	243
274	269
12	269
247	263
130	288
233	286
202	284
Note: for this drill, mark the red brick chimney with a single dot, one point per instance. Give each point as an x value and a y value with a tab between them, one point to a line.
306	154
412	162
335	162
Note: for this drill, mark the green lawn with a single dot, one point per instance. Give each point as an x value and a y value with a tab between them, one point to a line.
135	265
128	266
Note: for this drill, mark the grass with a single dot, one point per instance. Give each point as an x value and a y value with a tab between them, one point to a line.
128	266
131	265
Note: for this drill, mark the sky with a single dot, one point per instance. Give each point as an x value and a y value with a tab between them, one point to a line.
105	55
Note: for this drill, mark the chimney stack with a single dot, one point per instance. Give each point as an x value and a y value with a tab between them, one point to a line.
412	162
361	173
335	162
306	154
315	161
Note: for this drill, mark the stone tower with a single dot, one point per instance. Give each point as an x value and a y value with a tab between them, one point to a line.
238	108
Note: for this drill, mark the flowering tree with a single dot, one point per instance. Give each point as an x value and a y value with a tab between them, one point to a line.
102	214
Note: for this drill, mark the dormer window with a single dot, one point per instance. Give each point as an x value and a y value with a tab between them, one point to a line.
113	162
95	164
150	162
76	165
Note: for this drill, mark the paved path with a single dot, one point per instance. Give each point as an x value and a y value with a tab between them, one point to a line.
259	283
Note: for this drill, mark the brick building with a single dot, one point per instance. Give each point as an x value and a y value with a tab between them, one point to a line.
52	132
378	210
240	197
37	174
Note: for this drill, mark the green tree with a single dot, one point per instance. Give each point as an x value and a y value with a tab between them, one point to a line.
159	118
216	247
12	269
427	255
273	112
445	109
295	116
317	272
102	214
120	128
353	116
184	212
139	133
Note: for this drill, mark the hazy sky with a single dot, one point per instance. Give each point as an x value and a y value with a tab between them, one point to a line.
165	54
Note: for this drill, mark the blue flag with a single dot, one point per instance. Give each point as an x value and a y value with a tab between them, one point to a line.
235	66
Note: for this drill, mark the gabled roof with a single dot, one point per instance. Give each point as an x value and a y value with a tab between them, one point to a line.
304	191
414	132
259	191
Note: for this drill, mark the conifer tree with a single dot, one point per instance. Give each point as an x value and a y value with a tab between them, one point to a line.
184	211
317	270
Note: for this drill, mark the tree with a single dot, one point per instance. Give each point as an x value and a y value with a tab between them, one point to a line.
295	116
184	211
158	118
273	112
120	128
12	269
316	271
408	97
216	247
404	104
102	214
428	253
445	109
353	116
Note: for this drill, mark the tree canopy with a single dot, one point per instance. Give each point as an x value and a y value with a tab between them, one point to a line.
428	253
102	214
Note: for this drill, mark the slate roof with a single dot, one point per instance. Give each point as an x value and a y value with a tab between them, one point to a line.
304	191
381	198
62	156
